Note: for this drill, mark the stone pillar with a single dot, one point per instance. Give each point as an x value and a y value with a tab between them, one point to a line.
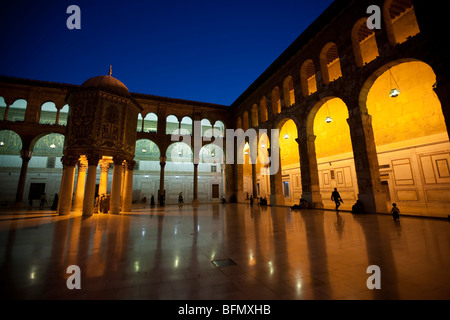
26	156
276	185
66	192
195	201
366	163
162	163
116	186
103	185
128	188
254	187
89	192
81	184
308	168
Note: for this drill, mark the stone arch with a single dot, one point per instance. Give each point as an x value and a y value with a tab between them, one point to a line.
16	111
48	114
288	91
365	47
330	63
172	124
186	126
400	20
276	100
10	142
308	78
245	121
263	109
255	121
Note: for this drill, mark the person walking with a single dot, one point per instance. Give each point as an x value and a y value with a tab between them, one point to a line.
180	198
336	197
43	201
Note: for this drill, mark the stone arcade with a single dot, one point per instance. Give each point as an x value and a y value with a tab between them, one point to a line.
330	94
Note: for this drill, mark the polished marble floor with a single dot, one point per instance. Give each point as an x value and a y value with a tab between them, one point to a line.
264	253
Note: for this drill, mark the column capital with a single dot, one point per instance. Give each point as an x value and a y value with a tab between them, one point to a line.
130	165
69	160
162	161
118	160
26	154
93	159
104	166
82	166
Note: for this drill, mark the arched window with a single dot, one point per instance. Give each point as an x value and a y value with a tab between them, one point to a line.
63	115
308	78
48	113
288	92
186	126
255	121
219	129
245	123
263	109
365	45
172	125
239	123
206	128
17	110
330	63
276	102
401	21
2	108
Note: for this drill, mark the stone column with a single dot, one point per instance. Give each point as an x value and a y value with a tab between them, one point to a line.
308	168
162	163
81	184
116	186
89	192
26	156
366	163
195	201
128	188
276	185
103	185
66	192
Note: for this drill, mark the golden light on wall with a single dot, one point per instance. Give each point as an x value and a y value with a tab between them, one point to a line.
288	144
332	137
415	113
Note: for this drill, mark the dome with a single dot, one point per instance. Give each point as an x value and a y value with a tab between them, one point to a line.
107	83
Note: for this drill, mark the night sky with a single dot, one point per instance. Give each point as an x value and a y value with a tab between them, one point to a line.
208	51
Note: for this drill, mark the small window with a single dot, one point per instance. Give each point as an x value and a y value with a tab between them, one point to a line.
213	168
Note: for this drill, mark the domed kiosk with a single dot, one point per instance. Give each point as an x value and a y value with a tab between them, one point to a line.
101	130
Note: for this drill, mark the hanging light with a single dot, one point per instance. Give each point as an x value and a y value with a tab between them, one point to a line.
52	146
328	119
144	150
2	143
286	136
395	92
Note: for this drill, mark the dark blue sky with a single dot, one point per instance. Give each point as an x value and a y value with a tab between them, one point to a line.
208	51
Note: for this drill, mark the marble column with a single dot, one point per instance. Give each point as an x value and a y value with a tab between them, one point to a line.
66	192
81	184
26	156
128	188
116	186
89	192
103	185
308	168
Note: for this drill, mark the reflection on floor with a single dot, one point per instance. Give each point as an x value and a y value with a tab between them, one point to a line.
216	251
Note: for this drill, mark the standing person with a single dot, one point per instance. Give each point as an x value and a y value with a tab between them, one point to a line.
152	200
180	198
395	212
251	200
43	201
336	197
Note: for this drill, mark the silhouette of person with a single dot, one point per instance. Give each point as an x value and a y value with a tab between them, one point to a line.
251	200
152	200
336	197
43	201
180	198
395	212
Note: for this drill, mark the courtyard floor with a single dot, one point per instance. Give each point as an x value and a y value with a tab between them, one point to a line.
223	252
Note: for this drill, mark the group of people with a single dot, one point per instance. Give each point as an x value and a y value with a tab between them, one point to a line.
102	203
